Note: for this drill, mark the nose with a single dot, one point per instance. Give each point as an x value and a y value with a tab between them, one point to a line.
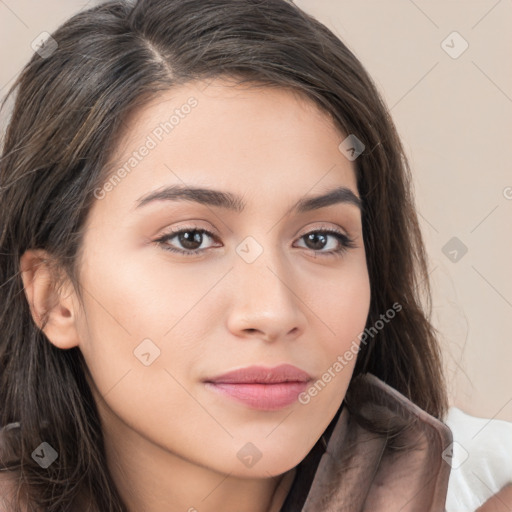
265	303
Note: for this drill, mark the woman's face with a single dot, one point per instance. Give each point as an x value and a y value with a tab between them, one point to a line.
251	280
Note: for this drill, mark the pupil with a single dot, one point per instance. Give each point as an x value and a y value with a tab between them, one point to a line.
186	239
315	237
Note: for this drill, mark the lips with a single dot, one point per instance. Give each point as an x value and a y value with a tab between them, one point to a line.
262	375
261	388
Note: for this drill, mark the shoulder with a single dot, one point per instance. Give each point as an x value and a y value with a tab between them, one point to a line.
481	462
8	487
9	490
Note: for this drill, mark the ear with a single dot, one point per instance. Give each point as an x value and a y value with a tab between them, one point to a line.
54	309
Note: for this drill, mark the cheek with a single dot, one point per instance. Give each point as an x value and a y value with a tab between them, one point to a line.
343	304
136	341
145	321
141	299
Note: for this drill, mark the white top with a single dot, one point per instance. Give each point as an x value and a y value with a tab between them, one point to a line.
482	459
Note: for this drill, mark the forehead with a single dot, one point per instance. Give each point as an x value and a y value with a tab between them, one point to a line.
240	137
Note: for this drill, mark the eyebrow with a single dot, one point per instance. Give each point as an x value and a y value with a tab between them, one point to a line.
235	203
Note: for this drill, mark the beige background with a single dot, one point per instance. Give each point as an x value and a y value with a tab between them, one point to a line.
455	119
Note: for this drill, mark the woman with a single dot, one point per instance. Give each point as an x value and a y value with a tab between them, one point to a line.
212	273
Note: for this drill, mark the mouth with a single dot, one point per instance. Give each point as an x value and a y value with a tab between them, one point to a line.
262	388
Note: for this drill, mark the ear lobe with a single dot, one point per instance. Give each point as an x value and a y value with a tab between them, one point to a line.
53	310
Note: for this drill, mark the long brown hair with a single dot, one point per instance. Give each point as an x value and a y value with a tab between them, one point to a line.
69	109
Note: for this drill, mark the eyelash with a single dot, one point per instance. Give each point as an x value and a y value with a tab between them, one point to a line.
346	242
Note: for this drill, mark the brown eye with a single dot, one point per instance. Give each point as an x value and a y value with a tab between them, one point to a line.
319	239
189	240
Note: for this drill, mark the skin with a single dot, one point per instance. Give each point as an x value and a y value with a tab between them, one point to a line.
500	502
172	443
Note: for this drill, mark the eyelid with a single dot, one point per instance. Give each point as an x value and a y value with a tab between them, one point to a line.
322	227
215	234
191	226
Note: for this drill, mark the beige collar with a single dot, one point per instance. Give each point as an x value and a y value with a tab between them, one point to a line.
383	454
